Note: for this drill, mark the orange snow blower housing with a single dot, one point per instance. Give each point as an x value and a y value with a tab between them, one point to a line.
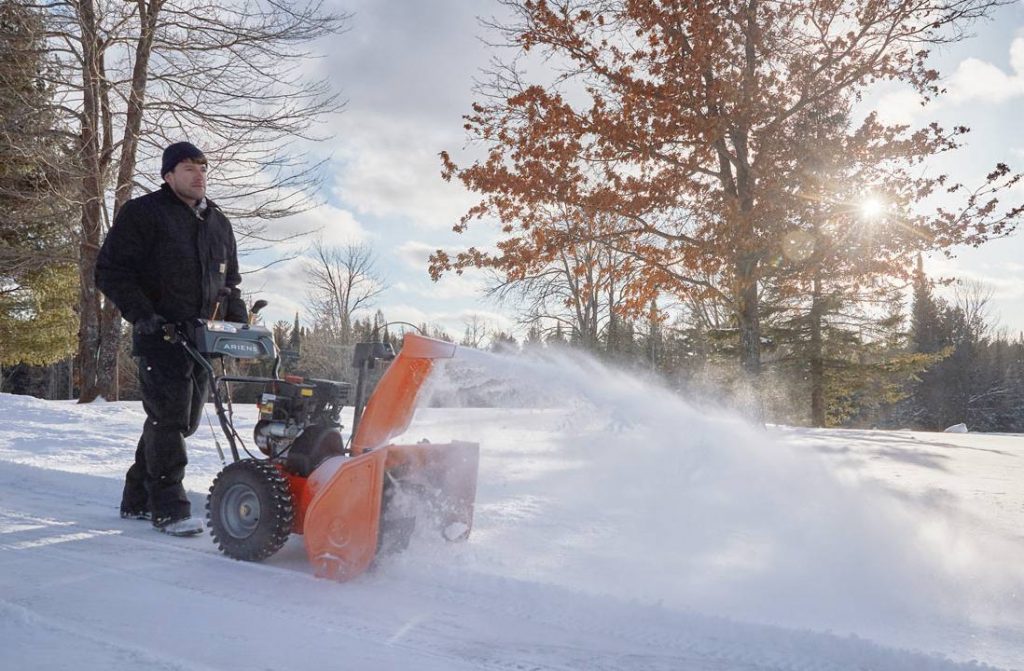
346	519
349	502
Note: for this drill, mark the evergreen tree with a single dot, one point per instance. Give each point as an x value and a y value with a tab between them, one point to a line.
965	383
653	340
280	331
363	330
37	277
925	318
37	320
503	342
295	338
557	338
534	337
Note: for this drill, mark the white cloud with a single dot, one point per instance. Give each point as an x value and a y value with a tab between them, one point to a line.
337	226
973	81
416	254
390	167
452	321
978	80
282	285
899	107
450	287
1006	279
1017	56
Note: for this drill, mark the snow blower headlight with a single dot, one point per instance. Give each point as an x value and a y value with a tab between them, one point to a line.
221	327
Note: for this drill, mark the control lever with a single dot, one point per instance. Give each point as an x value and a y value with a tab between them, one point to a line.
221	295
255	310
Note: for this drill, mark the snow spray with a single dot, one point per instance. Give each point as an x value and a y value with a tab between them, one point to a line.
595	480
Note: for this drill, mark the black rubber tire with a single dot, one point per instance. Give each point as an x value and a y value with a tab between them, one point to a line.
250	510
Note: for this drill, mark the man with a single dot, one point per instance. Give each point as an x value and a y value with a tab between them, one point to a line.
169	257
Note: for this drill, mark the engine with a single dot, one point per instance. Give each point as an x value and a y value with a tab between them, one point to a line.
290	407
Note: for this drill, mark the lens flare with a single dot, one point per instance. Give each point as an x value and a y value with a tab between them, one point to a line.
872	208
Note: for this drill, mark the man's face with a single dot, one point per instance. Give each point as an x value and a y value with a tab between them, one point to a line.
188	181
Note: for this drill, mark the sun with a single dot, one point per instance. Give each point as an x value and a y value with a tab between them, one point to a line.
872	208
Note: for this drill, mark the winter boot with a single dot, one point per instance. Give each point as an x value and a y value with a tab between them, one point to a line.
183	526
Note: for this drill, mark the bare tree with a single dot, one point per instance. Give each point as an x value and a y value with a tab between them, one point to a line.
476	333
580	282
228	76
342	281
973	298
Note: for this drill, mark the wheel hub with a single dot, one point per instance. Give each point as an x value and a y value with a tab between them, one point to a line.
241	510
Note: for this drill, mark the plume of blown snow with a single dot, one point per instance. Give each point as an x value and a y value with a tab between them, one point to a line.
632	492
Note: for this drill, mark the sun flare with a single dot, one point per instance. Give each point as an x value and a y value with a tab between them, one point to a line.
872	208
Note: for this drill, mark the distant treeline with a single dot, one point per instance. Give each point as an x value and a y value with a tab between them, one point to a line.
938	364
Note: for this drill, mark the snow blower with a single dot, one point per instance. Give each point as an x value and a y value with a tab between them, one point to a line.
349	501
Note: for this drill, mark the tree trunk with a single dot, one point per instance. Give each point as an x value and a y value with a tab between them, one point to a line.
91	195
100	334
136	100
749	322
106	358
817	357
612	346
748	318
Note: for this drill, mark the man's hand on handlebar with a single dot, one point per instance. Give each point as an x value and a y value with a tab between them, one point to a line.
152	325
171	333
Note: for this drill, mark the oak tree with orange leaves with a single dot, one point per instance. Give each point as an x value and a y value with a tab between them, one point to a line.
675	132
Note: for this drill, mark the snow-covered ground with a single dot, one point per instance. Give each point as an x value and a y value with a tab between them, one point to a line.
621	530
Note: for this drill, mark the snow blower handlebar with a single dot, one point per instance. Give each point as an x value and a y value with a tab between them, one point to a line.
205	338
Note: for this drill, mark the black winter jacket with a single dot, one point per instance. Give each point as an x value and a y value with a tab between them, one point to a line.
161	258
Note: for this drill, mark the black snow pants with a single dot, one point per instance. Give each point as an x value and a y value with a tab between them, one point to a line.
174	388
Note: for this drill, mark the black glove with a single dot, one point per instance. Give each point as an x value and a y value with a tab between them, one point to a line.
235	311
150	326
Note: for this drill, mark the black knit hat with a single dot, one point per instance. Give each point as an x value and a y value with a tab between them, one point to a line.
178	152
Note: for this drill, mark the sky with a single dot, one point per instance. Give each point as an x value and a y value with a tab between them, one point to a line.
407	69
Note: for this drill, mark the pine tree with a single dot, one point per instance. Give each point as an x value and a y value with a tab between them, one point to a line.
37	321
942	396
281	330
653	340
503	342
534	338
295	338
37	278
925	319
557	338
